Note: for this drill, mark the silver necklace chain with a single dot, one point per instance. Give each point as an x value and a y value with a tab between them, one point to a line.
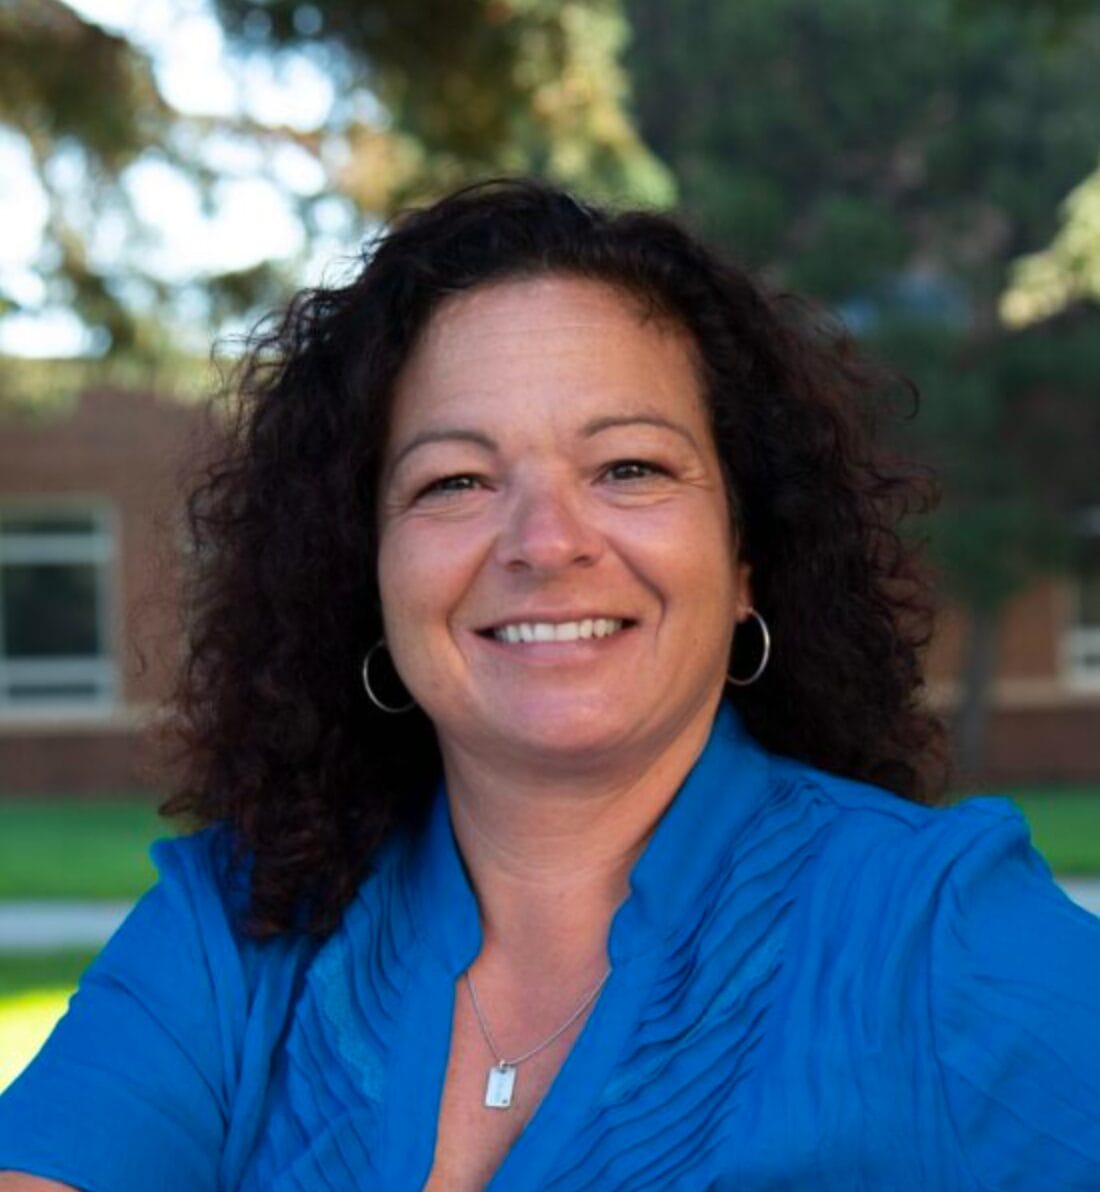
502	1063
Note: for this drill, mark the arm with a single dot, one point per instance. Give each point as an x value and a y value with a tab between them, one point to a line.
1015	999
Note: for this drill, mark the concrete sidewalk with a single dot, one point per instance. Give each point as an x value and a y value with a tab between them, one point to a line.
1085	891
52	926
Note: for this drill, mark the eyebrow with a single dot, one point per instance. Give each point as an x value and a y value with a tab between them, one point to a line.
589	430
598	425
444	435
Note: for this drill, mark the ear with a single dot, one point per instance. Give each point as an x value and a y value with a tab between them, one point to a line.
742	589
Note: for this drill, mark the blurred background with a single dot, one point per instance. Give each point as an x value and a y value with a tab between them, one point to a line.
172	169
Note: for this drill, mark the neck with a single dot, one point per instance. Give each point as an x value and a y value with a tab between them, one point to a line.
550	857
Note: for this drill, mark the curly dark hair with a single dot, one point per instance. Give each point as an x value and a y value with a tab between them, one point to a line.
275	733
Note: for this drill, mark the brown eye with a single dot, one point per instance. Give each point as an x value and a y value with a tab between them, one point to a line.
464	482
633	469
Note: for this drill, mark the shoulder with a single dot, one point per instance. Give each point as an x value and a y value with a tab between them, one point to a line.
867	821
200	897
964	878
1013	969
205	868
954	913
885	867
185	950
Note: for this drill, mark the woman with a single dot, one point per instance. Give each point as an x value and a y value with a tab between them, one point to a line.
595	891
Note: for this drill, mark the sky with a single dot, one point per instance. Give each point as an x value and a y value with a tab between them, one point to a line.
252	221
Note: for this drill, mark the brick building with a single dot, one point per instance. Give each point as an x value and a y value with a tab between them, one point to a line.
90	512
90	508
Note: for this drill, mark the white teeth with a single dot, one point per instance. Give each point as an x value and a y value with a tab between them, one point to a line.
564	631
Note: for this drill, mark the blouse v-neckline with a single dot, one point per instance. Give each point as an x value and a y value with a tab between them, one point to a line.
693	839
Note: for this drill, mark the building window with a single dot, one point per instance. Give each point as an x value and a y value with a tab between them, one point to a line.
1083	639
56	645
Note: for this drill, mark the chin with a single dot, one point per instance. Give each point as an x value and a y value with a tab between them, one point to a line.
571	736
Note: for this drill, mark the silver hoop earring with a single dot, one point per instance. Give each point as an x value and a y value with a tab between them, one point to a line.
761	666
379	704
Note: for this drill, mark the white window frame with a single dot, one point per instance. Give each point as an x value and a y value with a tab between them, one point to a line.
98	548
1081	643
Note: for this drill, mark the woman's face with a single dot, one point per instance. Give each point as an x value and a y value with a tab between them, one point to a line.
558	572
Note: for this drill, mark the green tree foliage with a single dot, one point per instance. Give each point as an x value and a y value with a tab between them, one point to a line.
841	144
429	94
895	160
83	99
1067	271
470	88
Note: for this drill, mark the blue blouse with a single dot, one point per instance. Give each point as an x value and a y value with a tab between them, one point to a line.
815	985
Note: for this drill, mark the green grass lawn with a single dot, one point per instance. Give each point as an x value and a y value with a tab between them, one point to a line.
24	972
77	848
26	1020
1065	825
34	991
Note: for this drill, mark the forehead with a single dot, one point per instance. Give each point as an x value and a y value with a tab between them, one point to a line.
565	344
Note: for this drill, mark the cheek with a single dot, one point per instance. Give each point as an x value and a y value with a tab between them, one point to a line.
422	574
405	615
690	548
400	587
713	577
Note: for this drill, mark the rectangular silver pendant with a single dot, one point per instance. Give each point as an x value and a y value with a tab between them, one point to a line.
498	1088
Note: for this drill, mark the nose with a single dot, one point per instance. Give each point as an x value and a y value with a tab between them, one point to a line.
547	529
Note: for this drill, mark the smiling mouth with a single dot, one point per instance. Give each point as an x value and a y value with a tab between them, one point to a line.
515	632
